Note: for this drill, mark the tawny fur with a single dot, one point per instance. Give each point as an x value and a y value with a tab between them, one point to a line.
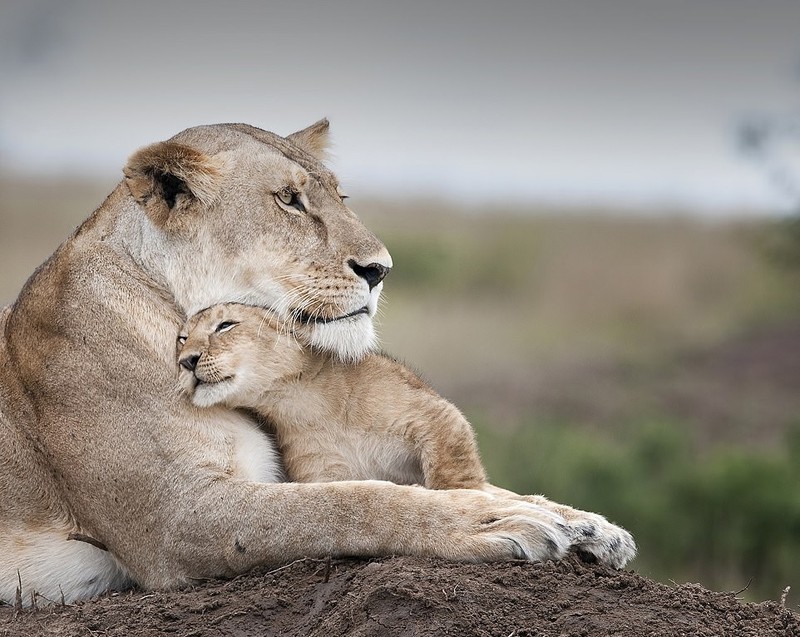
335	420
97	442
374	419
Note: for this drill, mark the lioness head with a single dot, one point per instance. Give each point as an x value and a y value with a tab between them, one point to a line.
231	353
232	213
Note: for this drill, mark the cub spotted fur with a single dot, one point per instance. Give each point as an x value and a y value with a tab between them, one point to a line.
333	420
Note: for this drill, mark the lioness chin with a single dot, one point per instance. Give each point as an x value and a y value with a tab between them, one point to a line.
108	477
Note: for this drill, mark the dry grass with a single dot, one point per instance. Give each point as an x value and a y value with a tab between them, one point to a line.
506	294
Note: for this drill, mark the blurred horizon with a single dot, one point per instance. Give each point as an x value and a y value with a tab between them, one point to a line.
609	103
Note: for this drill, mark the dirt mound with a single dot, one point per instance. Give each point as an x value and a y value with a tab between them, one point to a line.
408	596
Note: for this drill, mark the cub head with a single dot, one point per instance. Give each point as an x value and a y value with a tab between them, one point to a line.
233	353
232	213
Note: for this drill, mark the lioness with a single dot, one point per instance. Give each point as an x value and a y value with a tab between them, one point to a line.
97	445
333	420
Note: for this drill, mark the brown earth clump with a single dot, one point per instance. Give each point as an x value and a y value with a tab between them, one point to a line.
410	596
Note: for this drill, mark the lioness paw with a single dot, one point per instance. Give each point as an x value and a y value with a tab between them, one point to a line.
591	535
516	530
596	537
531	536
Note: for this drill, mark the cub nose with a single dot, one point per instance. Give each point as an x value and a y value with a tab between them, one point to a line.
190	362
372	273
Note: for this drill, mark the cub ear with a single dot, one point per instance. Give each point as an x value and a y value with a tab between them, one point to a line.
167	177
314	139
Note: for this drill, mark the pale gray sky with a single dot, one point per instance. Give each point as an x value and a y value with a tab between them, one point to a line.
567	100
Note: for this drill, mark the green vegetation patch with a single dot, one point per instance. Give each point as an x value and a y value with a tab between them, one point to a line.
728	518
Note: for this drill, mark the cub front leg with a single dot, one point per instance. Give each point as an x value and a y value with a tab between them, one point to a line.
590	532
445	443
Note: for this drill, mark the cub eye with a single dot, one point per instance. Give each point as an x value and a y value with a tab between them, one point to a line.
290	199
182	340
225	326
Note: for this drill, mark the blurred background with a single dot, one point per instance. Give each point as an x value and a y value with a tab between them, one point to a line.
591	207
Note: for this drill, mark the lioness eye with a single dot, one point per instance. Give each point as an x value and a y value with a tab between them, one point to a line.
225	326
290	198
182	340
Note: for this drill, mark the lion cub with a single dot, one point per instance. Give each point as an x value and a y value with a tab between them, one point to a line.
374	419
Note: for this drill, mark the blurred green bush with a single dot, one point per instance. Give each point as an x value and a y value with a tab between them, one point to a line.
725	518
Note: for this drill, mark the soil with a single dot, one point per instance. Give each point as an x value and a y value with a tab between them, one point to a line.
411	596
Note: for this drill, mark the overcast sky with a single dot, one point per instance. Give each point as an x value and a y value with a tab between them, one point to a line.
595	100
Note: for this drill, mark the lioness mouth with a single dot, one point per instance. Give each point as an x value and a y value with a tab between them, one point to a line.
307	318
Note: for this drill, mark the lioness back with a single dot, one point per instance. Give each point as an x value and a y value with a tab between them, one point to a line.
374	419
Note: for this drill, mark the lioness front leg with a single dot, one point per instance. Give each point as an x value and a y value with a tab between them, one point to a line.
233	526
590	532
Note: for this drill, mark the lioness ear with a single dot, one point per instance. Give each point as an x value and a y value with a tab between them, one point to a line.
314	139
166	177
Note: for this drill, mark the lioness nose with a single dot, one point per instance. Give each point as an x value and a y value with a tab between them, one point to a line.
190	362
372	273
